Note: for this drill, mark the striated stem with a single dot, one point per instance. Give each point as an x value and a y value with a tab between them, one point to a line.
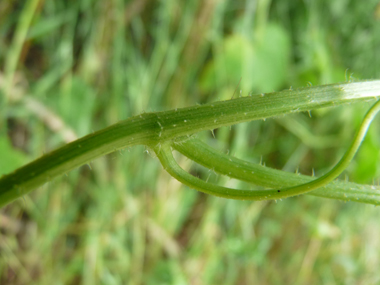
164	153
265	176
159	128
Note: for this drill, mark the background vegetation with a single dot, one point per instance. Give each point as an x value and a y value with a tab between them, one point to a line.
79	66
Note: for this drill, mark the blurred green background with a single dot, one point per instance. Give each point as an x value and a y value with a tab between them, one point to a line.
68	68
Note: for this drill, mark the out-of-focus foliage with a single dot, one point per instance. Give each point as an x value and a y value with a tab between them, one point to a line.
260	58
83	65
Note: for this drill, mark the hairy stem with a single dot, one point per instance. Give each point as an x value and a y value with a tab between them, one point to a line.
165	155
154	129
265	176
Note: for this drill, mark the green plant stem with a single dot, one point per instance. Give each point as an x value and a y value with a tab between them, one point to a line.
265	176
165	155
153	129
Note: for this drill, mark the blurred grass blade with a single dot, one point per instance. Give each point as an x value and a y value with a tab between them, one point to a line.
18	41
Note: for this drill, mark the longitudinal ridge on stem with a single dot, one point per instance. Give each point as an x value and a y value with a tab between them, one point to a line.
159	128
